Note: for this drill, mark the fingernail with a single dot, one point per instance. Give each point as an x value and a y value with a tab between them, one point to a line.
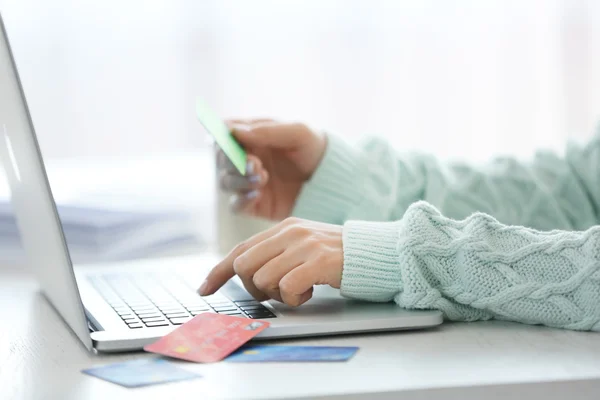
252	195
254	178
241	128
249	167
203	288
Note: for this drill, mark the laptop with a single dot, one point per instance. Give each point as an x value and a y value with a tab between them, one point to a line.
124	306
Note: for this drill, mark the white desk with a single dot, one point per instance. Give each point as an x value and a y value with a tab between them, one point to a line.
41	359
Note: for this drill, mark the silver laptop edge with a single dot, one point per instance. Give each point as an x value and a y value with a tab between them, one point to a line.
21	159
97	324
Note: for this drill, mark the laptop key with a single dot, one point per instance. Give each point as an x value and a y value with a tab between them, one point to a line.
165	302
157	323
153	319
204	307
172	309
138	304
179	321
135	325
149	315
223	304
167	312
124	314
192	302
149	311
146	311
194	313
168	305
261	314
254	307
143	308
233	313
247	302
226	308
211	299
198	308
177	315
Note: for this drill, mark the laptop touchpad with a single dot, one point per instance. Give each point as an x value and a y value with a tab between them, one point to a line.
326	301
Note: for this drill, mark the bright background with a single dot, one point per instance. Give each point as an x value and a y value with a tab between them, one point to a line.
456	78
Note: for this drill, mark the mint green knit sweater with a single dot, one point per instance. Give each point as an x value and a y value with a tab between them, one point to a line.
509	240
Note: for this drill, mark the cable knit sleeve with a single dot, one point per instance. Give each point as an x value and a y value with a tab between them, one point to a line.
372	182
421	232
475	269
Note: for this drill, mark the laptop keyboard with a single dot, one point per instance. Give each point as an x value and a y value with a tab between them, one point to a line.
147	301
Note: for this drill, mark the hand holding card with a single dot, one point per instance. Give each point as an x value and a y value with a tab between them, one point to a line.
219	131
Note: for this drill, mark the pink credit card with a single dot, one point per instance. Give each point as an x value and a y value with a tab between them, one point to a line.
207	337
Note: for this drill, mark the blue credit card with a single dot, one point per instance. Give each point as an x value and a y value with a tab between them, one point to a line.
292	353
141	373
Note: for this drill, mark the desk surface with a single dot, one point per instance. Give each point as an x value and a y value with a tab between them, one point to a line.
42	359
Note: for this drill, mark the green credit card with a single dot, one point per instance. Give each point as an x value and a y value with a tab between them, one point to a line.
219	131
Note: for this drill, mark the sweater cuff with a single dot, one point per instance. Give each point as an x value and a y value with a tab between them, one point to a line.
332	190
371	264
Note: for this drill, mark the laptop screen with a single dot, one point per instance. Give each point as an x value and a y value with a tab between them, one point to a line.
31	198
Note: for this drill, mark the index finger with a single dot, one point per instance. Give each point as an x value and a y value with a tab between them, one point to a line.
224	271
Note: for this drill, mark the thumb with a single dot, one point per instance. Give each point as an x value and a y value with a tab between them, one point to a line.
271	134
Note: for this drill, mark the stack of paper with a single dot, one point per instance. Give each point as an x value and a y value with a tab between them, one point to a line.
104	234
122	209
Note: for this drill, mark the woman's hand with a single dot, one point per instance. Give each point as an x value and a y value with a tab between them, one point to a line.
281	157
284	263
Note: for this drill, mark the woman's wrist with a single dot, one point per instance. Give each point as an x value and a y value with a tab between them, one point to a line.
333	189
371	268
